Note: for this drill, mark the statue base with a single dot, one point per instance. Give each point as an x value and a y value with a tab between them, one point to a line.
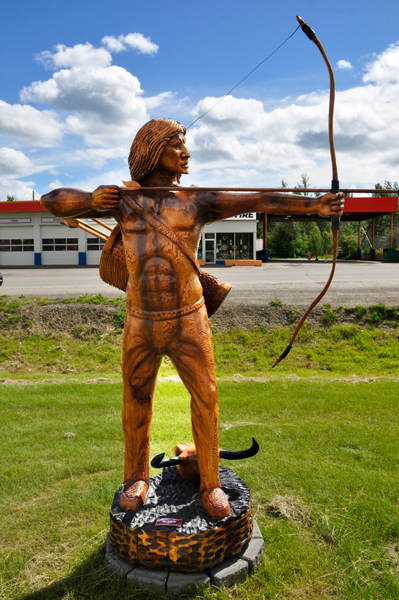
232	570
172	530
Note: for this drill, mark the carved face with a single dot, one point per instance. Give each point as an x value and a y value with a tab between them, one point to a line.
174	157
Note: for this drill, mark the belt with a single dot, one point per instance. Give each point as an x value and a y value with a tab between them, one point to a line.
165	314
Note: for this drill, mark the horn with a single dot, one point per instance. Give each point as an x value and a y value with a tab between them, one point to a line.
158	462
239	454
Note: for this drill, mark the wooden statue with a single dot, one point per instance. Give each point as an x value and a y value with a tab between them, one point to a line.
166	314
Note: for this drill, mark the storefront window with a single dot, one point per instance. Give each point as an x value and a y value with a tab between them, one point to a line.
225	246
244	246
234	246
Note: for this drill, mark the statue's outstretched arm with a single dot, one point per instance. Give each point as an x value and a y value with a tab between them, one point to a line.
68	202
221	205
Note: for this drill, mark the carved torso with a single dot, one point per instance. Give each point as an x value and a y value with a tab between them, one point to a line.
160	277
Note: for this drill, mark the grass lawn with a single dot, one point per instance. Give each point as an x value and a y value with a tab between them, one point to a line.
325	485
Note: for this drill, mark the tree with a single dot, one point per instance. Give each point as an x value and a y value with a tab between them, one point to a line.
327	241
348	240
304	183
315	239
280	241
383	224
10	198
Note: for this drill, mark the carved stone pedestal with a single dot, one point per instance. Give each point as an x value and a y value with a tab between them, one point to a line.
181	558
172	530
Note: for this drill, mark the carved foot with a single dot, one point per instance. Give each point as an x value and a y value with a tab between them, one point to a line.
133	494
215	502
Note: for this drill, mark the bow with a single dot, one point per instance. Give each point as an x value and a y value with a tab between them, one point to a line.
335	221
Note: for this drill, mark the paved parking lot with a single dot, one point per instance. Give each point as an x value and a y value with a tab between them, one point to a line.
295	283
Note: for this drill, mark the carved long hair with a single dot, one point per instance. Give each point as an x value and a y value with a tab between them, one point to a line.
148	144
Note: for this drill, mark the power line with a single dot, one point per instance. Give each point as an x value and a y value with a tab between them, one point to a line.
244	78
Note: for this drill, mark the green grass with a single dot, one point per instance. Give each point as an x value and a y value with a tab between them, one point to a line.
325	485
340	350
337	350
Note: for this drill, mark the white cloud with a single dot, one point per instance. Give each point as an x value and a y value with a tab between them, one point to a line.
55	184
282	143
134	41
107	178
80	55
105	105
97	157
14	162
242	135
114	44
104	102
241	142
384	69
13	187
162	98
28	125
344	65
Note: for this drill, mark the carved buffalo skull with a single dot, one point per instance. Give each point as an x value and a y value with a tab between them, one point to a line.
187	463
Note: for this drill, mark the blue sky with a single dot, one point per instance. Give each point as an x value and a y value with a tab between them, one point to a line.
77	79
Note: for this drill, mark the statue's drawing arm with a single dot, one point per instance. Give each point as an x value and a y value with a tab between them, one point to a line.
68	202
221	205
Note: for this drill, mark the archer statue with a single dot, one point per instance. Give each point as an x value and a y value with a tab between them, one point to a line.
166	312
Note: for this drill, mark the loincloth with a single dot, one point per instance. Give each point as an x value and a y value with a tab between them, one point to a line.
165	314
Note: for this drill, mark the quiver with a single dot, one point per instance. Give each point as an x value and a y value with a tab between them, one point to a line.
112	266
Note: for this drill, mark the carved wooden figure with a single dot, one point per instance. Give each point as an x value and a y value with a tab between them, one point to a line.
166	314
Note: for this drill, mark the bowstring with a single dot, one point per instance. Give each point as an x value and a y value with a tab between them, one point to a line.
243	79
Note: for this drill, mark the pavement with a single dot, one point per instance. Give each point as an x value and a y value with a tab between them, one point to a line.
295	283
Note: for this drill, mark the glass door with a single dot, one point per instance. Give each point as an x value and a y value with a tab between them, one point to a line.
210	250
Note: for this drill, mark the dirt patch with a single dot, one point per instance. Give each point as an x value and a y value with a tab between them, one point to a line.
86	320
75	320
289	508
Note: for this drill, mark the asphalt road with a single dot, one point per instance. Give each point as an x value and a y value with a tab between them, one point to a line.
294	283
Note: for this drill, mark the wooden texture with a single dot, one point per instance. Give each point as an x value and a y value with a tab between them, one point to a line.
163	283
199	542
113	271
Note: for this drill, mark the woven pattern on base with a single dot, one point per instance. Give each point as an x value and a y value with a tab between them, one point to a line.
200	542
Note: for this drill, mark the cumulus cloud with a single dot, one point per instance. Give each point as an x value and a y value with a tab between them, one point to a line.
384	69
344	65
240	134
162	98
30	126
89	98
14	162
134	41
104	102
240	142
13	187
80	55
107	178
96	158
55	184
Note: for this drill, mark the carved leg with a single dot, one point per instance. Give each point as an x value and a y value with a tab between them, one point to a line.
194	361
140	367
